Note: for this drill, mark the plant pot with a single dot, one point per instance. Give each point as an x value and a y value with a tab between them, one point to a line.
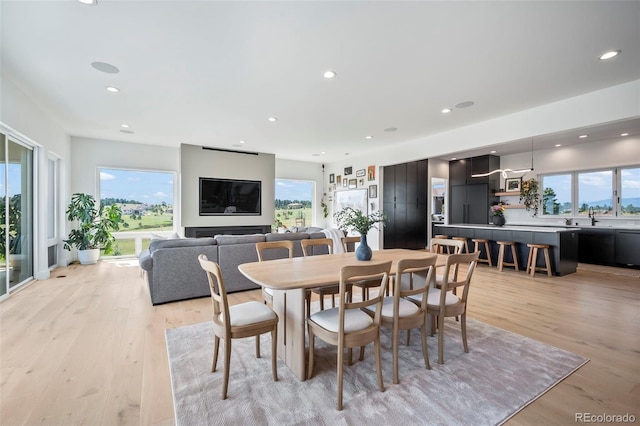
88	257
363	252
498	220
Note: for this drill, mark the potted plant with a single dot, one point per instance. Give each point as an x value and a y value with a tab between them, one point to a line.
95	227
497	214
350	219
530	195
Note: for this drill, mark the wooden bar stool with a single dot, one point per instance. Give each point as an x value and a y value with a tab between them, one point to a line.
533	259
466	243
487	251
440	248
514	255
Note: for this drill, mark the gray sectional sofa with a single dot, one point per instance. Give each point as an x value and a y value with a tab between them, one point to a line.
173	272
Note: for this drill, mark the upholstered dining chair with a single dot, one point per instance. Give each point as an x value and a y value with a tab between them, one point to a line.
309	246
349	245
442	302
348	326
399	313
237	321
267	246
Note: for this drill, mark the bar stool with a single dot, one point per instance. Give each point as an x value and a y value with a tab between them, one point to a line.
440	248
487	251
514	255
533	259
466	243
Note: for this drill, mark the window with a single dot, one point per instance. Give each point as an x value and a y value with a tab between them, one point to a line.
606	193
556	194
294	203
146	200
630	192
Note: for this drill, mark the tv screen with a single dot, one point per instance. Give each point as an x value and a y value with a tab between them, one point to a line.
230	197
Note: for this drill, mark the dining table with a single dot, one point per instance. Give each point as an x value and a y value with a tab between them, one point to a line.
291	278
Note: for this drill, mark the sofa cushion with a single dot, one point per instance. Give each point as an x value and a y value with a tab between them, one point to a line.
182	242
292	236
239	239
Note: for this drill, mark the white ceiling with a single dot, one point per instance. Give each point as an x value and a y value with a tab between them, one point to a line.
212	72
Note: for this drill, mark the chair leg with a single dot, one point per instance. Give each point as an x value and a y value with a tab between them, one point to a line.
311	346
500	258
463	328
258	346
408	337
394	342
361	353
486	248
274	352
227	364
321	301
216	346
376	349
534	261
339	378
547	262
440	339
425	351
528	270
514	256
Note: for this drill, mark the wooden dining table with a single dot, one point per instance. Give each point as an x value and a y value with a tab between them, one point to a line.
290	278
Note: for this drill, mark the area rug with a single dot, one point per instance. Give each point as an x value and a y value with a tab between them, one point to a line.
502	373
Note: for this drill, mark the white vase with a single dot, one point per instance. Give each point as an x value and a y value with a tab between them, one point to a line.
88	257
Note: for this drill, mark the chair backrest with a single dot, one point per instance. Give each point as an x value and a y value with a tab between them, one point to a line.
264	246
348	243
421	273
455	261
218	292
365	272
315	242
440	243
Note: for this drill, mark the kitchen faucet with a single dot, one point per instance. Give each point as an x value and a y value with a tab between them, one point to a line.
592	215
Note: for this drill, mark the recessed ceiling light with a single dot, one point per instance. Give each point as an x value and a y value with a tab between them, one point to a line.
465	104
323	153
129	132
241	142
493	152
112	89
583	136
368	137
105	67
390	129
453	158
624	134
558	145
272	119
446	110
89	2
329	74
124	126
610	54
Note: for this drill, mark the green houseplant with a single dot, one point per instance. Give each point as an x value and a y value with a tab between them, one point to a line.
95	227
530	195
350	219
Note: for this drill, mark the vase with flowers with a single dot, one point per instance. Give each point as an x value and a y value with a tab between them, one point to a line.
530	195
350	219
497	214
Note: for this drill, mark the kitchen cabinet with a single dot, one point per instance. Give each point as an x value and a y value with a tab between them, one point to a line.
627	247
404	200
460	171
471	197
597	246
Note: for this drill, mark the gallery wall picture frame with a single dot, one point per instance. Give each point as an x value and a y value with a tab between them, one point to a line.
353	183
345	182
371	173
332	178
356	199
361	182
339	179
361	172
348	171
513	184
373	191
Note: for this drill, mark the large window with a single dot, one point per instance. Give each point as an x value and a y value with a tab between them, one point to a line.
294	203
605	193
146	200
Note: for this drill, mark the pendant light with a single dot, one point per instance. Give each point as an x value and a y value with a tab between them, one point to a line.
505	171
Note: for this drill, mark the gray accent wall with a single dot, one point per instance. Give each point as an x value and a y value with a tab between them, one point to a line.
196	162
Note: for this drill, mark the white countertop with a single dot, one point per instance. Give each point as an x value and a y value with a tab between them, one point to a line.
529	228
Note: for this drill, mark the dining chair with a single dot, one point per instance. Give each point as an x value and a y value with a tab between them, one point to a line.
348	326
310	245
349	245
443	302
400	313
237	321
267	246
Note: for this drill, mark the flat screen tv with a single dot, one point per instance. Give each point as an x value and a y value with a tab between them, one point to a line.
230	197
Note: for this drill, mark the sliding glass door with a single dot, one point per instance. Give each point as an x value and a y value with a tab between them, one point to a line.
16	214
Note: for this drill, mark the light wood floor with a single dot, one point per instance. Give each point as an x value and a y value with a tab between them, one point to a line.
86	346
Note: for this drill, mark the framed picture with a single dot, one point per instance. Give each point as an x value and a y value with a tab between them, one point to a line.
371	173
513	184
332	178
344	182
361	182
353	183
348	171
356	199
361	172
373	191
339	179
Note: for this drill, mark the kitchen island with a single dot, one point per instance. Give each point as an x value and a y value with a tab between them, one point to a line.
562	241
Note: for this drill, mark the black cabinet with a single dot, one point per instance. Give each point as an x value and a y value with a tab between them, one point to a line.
627	247
404	200
596	246
471	197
